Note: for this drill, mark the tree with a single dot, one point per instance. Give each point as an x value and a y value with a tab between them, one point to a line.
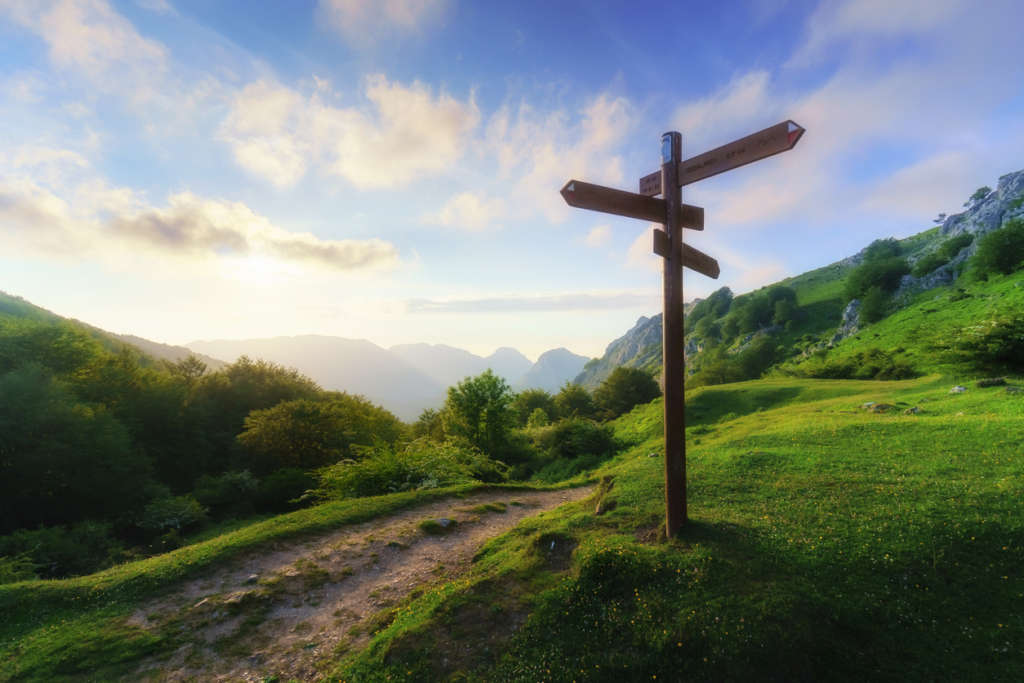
479	410
873	306
529	400
785	311
885	273
625	389
878	250
979	194
940	219
62	461
430	426
1002	250
538	418
307	434
573	400
758	357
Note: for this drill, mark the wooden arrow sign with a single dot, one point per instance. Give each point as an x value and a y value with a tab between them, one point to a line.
608	200
700	262
769	142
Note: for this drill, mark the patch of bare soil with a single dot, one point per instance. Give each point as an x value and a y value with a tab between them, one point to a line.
290	610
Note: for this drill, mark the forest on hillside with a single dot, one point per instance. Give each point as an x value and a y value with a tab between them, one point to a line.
107	455
772	330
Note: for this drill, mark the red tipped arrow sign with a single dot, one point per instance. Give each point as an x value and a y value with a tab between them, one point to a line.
609	200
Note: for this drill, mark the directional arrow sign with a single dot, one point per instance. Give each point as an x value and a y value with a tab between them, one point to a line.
769	142
607	200
700	262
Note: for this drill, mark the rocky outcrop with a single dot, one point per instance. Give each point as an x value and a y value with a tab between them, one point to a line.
990	213
850	324
640	347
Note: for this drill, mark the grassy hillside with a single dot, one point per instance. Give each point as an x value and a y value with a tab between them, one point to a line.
826	542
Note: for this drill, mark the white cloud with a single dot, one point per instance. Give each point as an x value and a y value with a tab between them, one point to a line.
599	236
844	20
363	22
405	133
641	254
470	210
46	206
90	38
547	150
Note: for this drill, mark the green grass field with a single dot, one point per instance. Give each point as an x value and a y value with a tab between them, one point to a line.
825	543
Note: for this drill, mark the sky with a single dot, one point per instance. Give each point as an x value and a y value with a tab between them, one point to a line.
390	169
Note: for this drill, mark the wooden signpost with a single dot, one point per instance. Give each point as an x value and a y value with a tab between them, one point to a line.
668	243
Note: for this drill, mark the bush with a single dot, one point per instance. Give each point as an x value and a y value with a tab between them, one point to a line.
281	487
58	552
624	389
573	400
14	569
575	438
231	493
928	264
177	513
1002	250
421	465
872	363
991	347
885	274
954	245
873	306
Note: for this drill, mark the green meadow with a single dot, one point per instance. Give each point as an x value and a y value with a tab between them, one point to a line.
825	542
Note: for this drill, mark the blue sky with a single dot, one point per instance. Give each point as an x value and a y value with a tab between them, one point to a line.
389	169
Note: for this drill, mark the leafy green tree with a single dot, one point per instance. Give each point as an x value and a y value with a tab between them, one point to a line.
625	389
1002	250
281	487
980	194
538	418
56	552
529	400
307	434
757	358
65	350
573	400
62	461
954	245
885	274
785	311
714	307
874	305
479	410
880	250
430	426
928	263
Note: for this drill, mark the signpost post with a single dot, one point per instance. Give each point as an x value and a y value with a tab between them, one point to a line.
668	243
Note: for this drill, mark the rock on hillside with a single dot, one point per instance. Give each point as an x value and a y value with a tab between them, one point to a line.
553	369
992	212
638	348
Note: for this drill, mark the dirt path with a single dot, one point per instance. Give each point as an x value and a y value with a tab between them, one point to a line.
284	610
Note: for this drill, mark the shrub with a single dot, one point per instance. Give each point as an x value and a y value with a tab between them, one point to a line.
574	438
991	347
885	274
281	490
1002	250
178	513
421	465
954	245
872	363
873	306
928	263
58	551
14	569
624	389
538	418
230	493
